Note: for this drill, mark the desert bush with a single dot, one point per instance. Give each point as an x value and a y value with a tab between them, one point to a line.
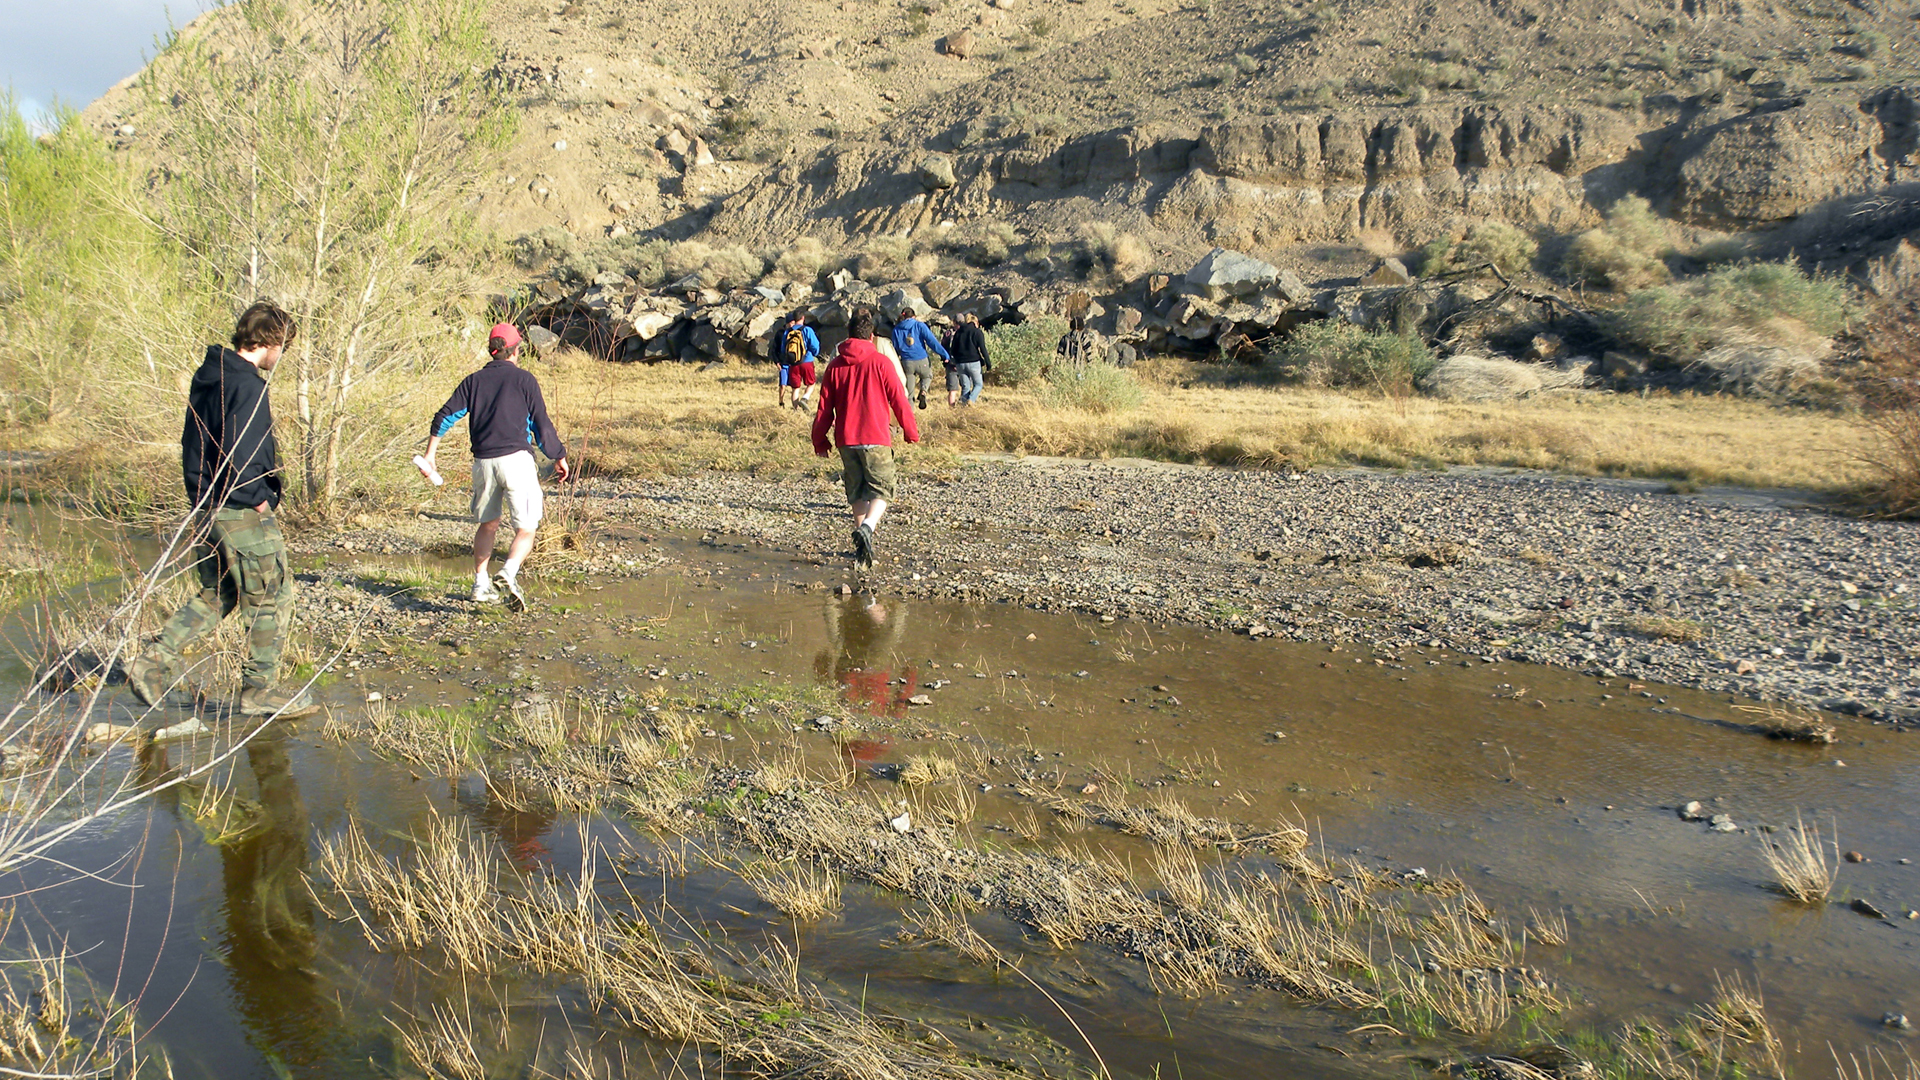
1116	255
1743	364
645	261
1338	354
1625	253
94	326
547	244
985	246
883	259
720	268
1021	352
801	261
1767	303
1892	412
1508	248
1096	387
325	155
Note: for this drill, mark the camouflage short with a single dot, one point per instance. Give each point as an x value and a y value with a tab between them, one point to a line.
241	561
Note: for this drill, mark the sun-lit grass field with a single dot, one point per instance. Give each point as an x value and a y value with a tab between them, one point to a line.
670	418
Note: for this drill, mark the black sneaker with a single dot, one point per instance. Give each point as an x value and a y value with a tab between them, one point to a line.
863	545
923	401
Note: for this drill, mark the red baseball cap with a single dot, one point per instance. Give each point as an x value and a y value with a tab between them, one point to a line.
508	334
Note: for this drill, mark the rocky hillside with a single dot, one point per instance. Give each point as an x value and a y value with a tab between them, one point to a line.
1263	126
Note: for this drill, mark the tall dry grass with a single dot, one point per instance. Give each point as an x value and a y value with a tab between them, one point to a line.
671	419
1802	870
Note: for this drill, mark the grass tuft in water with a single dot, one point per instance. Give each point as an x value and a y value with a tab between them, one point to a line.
1801	870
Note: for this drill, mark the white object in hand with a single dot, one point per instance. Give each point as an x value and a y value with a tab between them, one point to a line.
427	470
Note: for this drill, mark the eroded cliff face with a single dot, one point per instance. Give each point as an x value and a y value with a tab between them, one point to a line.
1412	172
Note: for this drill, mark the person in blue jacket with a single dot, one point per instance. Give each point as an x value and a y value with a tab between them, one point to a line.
913	340
796	349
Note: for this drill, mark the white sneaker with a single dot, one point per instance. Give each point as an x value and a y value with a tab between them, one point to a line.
510	590
485	593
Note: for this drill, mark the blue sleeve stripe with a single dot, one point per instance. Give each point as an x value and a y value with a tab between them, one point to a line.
531	440
447	424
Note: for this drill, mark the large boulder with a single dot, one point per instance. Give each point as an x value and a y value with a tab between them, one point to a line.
1224	273
904	301
958	45
935	172
940	291
760	326
651	324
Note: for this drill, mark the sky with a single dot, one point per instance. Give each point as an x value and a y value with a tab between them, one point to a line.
73	50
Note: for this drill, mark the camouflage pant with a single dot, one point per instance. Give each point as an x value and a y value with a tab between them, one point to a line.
242	563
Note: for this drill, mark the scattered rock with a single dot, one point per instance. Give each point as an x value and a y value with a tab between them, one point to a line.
1722	823
541	338
1693	811
1224	273
903	823
959	45
1897	1021
935	172
1867	909
1388	271
1856	857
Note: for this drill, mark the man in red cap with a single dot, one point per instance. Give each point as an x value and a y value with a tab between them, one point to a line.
506	417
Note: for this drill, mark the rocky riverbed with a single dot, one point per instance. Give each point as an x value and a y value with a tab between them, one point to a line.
1760	596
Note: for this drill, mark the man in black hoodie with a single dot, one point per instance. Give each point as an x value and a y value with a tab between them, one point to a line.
232	471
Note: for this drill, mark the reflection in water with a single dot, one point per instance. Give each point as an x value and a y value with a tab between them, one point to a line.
862	637
520	821
270	943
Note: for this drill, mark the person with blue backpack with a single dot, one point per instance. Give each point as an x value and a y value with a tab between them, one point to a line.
912	339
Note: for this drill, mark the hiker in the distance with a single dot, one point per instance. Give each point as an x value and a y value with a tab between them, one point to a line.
967	372
1079	345
858	394
797	348
912	339
506	417
231	466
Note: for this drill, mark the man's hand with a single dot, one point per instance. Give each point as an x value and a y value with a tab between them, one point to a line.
263	508
560	470
819	453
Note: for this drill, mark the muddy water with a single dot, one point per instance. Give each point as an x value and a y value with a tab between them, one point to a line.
1539	788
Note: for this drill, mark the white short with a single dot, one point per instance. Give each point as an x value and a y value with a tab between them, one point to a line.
512	481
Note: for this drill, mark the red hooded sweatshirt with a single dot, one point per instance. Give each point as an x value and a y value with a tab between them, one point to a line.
856	393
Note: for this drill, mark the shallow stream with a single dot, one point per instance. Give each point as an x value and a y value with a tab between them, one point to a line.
1539	788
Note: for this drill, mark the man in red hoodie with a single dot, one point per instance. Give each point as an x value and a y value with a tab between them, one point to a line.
857	392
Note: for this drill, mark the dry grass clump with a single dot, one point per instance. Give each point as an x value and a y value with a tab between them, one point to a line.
947	924
1859	1068
800	890
1791	724
1666	628
1549	928
923	769
419	736
442	1044
1801	870
1892	417
1482	378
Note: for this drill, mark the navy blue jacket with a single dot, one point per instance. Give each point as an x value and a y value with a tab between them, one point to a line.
227	453
505	412
912	339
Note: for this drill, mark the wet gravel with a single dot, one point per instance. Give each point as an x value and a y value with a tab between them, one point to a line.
1761	596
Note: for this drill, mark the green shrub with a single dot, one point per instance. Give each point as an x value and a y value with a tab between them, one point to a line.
1751	300
1336	353
1021	351
1625	253
1096	387
1509	249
